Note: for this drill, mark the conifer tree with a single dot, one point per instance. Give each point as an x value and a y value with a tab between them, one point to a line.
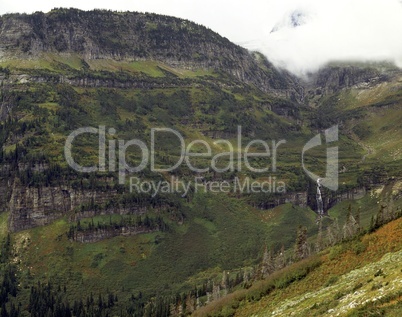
319	242
267	265
280	259
301	247
357	218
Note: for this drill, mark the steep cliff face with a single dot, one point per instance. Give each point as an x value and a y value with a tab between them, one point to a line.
98	235
333	79
136	36
38	206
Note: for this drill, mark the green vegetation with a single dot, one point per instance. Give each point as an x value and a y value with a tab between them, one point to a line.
363	271
81	244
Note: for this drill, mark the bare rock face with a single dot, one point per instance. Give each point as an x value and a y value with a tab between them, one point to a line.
332	79
31	207
101	234
38	206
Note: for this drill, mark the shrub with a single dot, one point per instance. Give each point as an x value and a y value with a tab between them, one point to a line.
358	247
357	286
335	252
338	295
332	280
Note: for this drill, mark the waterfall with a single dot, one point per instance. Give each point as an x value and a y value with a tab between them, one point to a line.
320	208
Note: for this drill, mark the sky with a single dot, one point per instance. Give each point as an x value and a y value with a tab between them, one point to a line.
336	30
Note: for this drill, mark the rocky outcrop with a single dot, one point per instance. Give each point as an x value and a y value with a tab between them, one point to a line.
305	200
38	206
92	82
332	79
95	235
297	199
351	194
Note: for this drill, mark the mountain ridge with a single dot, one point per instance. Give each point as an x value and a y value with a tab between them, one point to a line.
137	36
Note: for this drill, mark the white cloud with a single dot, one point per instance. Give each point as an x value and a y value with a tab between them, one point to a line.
364	30
343	30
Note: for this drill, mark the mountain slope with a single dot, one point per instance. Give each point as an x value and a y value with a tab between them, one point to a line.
135	36
349	284
357	277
